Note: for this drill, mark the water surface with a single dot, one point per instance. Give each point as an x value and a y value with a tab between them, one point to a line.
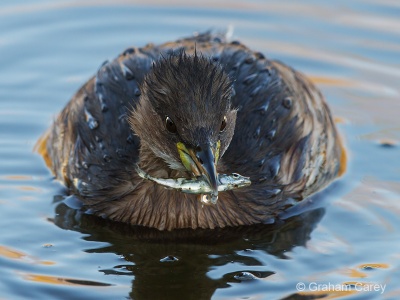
349	235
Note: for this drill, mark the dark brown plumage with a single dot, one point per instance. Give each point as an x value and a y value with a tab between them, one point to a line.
270	121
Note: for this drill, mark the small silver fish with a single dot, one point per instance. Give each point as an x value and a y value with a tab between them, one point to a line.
199	185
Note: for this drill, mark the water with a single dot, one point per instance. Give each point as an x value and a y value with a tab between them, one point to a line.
351	49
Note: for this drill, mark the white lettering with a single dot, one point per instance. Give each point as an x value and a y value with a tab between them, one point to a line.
330	287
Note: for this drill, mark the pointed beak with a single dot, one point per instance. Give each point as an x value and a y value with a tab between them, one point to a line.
206	165
202	162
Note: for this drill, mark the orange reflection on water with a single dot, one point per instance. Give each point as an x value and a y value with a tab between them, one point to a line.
340	120
374	266
28	188
17	177
329	81
10	253
354	273
47	279
331	294
62	281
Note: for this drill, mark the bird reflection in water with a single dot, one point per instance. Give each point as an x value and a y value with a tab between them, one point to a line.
176	264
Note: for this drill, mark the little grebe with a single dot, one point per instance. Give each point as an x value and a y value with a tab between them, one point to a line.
200	106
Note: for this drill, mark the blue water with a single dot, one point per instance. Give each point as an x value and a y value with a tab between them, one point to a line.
351	49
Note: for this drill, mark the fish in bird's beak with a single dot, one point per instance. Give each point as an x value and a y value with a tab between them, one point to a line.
202	162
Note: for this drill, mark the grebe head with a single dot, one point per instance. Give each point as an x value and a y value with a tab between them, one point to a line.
184	115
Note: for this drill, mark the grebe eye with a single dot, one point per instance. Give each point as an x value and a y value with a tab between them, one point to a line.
223	124
170	125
